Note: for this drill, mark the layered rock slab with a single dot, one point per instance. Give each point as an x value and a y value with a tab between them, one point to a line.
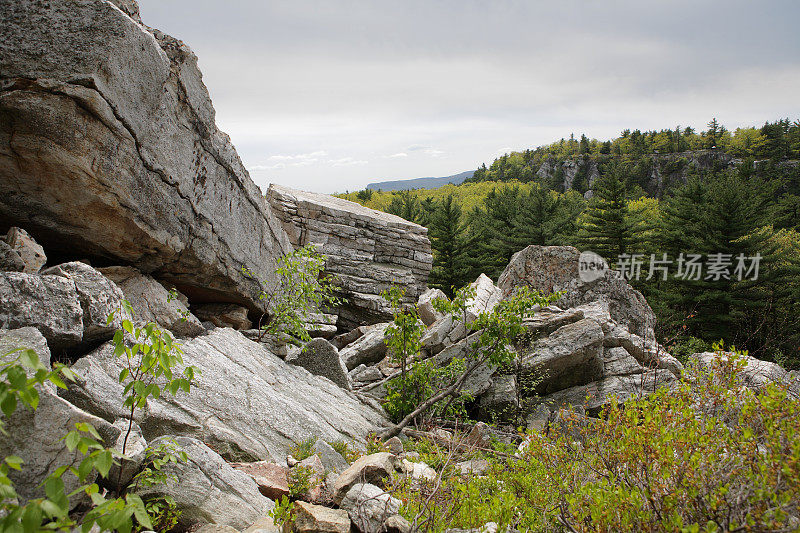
109	150
247	404
367	250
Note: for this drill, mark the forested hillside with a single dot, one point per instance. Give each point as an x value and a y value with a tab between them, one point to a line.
704	224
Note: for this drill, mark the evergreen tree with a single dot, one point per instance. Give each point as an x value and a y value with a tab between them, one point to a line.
405	204
447	234
605	228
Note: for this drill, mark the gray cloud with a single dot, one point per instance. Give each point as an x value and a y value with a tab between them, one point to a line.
446	83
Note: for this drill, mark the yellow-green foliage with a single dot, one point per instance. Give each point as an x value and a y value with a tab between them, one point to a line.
706	456
468	195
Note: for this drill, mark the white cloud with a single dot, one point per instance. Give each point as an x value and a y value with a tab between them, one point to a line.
399	154
347	161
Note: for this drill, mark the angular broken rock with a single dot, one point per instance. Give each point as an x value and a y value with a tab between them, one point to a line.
555	268
397	524
98	296
570	356
206	489
331	459
321	358
10	261
427	313
367	469
28	250
151	302
368	349
502	398
369	507
419	472
48	303
246	403
223	315
272	479
472	467
310	518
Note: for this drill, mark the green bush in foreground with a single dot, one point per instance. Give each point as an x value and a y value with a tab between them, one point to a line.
708	455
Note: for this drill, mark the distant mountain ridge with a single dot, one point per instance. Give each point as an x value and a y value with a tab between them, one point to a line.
420	183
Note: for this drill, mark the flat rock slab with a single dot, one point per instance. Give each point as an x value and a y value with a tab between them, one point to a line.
246	403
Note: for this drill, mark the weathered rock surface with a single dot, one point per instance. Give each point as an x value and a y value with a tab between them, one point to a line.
29	251
369	507
427	313
151	302
593	396
10	260
35	436
367	251
107	134
207	490
368	349
321	358
756	374
330	458
224	315
555	268
247	403
502	398
272	479
310	518
48	303
367	469
570	356
135	449
98	297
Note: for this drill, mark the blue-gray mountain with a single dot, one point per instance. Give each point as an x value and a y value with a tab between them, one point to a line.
420	183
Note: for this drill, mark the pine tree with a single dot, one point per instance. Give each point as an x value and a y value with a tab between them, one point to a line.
446	231
405	204
605	228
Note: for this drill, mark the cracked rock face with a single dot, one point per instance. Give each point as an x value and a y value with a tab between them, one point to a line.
246	403
367	250
109	150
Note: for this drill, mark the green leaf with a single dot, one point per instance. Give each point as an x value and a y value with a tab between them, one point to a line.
103	462
127	326
9	405
54	489
124	374
14	462
71	440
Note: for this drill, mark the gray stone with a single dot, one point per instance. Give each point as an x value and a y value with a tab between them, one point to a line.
135	449
108	136
98	296
367	251
48	303
366	374
367	469
479	381
215	528
310	518
331	459
418	472
223	315
369	507
427	313
10	260
368	349
555	268
618	362
321	325
756	374
480	436
321	358
570	356
209	491
397	524
501	400
246	403
340	341
537	418
151	302
395	445
35	435
29	251
595	395
472	467
647	352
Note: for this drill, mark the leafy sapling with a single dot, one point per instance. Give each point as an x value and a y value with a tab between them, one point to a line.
300	288
150	357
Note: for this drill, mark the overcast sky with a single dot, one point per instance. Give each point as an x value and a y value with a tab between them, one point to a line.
331	95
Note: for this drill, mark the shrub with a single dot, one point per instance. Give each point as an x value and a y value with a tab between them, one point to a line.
303	449
708	455
344	449
300	479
